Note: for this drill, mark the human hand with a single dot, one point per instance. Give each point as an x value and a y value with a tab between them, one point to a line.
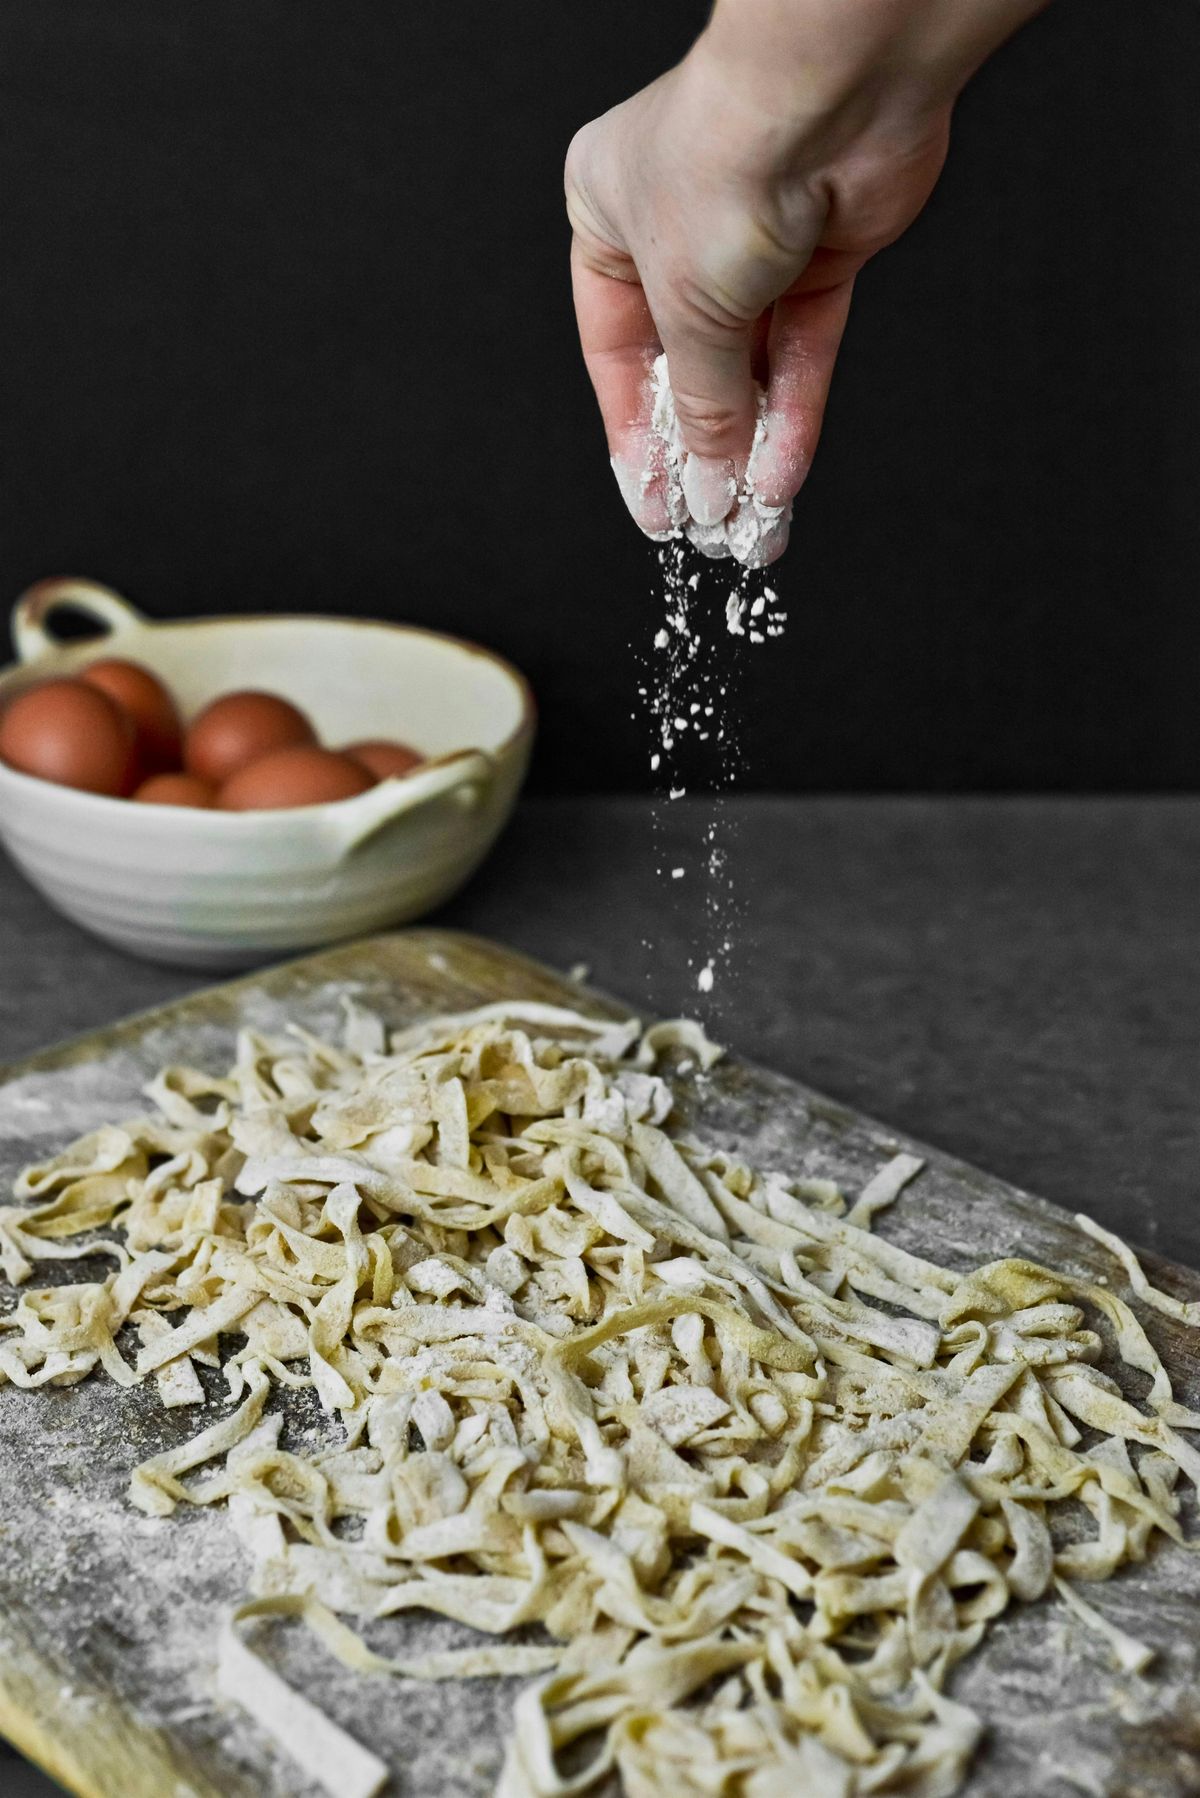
722	214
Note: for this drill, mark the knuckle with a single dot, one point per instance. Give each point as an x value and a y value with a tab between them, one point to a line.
598	239
704	416
707	310
575	168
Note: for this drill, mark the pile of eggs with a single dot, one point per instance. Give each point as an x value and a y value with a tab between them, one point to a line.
115	729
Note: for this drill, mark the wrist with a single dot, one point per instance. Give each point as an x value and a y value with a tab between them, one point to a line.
797	80
809	64
784	53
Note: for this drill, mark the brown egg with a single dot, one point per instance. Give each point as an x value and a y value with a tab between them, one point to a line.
72	734
175	789
143	696
301	775
240	728
382	758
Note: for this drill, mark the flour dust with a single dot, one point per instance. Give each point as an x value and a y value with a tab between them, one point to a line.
713	618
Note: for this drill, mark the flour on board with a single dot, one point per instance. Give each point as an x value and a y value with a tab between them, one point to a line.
763	1476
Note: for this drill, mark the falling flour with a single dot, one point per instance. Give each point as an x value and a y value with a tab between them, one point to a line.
691	692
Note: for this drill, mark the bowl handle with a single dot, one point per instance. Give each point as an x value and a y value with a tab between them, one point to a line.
36	605
466	776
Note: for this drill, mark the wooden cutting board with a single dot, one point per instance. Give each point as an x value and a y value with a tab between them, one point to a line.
108	1619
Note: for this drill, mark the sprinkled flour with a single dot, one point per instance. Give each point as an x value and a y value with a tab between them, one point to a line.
690	688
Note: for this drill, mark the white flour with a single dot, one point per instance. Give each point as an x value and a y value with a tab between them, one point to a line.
752	526
690	689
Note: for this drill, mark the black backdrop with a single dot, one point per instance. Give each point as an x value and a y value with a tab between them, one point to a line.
285	324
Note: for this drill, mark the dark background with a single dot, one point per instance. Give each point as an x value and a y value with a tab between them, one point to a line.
286	325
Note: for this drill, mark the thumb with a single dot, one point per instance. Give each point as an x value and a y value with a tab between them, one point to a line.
709	368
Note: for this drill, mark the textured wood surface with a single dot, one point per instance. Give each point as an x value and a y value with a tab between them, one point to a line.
108	1619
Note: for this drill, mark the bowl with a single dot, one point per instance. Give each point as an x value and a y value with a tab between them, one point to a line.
229	889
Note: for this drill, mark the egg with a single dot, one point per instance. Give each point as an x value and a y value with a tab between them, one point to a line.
383	759
73	734
299	775
175	789
143	696
240	728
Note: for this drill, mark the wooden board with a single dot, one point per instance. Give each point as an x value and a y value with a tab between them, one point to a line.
108	1618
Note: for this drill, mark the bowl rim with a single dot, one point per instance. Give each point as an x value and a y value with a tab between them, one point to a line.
141	622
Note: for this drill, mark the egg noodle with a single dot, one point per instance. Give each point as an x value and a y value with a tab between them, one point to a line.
761	1477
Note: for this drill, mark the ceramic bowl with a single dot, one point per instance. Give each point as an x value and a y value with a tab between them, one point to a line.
230	889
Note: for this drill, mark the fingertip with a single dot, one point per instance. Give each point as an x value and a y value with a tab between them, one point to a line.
781	463
806	330
771	544
643	489
709	487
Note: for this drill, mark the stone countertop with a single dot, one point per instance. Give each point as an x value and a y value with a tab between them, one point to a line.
1017	980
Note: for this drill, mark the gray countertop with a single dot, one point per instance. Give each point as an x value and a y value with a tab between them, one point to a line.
1015	980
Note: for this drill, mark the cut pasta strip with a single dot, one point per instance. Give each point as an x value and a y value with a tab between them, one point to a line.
318	1745
1130	1655
1187	1312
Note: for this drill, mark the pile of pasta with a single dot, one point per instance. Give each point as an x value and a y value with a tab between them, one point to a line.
761	1477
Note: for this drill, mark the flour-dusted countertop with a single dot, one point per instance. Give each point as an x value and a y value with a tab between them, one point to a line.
1017	981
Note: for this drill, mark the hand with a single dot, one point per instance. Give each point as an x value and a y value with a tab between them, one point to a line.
722	214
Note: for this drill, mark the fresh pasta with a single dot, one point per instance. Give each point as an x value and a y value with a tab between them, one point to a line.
748	1479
